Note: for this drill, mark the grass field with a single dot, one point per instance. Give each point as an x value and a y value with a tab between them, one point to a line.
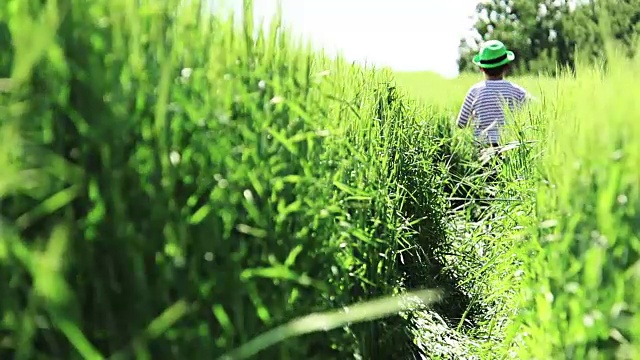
574	295
177	187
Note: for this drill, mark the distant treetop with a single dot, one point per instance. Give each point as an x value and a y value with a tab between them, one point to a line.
546	34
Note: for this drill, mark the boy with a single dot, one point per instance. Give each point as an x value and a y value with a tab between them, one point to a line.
483	101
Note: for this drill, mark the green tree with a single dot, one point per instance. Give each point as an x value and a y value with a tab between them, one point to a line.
534	30
623	22
545	34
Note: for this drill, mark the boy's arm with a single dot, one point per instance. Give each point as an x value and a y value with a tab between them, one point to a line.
528	98
465	110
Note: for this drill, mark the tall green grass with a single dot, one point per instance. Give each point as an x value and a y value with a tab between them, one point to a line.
174	186
564	271
583	283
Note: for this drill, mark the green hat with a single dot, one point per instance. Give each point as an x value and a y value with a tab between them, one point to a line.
492	54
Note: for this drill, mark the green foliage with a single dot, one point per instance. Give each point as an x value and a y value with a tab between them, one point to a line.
534	30
546	34
619	19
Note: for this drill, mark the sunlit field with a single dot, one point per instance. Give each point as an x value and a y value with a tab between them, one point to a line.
576	296
174	186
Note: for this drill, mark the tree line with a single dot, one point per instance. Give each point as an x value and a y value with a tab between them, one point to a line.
548	34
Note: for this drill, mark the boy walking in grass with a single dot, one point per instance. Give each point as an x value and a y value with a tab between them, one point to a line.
485	101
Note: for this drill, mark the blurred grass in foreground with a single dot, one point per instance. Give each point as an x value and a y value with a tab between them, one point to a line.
203	183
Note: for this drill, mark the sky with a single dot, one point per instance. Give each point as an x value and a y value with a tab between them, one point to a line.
406	35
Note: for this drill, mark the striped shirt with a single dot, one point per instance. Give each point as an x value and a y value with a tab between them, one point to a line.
483	104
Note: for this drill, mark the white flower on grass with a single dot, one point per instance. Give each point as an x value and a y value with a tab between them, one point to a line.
622	199
186	72
174	158
572	287
549	296
222	182
277	99
248	195
588	320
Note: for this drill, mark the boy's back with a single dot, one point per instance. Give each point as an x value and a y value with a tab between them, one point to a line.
484	102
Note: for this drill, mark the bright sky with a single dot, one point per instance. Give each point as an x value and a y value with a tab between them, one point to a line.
406	35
